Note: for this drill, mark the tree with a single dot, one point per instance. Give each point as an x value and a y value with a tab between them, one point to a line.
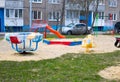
62	16
95	12
85	6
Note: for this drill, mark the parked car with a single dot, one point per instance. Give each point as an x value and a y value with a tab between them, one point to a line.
75	28
117	27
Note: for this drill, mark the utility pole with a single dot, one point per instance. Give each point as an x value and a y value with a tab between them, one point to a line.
30	13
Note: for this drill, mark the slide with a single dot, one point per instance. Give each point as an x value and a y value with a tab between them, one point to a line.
55	32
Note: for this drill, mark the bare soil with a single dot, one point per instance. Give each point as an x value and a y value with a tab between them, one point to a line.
104	43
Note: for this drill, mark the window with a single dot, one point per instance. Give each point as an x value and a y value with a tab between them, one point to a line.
101	15
14	13
11	13
54	1
7	12
20	13
37	1
112	16
82	25
50	15
37	15
101	2
113	3
54	15
78	26
72	14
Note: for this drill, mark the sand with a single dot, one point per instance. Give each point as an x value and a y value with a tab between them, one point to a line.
104	43
111	73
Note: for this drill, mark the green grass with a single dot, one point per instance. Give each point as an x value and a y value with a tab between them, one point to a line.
68	68
1	38
67	36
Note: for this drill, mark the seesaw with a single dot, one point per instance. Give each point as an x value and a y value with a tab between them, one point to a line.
24	41
117	42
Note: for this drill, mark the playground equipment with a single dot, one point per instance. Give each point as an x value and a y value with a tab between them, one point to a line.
88	43
63	42
37	26
24	41
117	42
55	32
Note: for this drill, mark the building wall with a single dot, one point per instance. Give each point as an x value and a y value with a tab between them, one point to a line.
35	6
13	4
45	7
115	10
72	13
2	27
2	5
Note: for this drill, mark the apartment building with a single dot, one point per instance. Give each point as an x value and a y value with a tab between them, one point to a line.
109	14
112	8
2	6
72	12
42	10
13	15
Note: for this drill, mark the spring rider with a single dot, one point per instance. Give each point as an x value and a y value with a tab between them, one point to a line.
87	43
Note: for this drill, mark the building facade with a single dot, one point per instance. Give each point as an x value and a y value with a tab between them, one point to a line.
2	6
13	15
108	15
113	9
42	10
72	12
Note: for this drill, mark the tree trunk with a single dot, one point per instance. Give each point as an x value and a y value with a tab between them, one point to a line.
87	14
62	16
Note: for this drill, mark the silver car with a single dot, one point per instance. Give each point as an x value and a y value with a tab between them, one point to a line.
72	28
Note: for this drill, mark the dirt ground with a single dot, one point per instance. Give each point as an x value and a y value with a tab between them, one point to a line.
104	43
111	73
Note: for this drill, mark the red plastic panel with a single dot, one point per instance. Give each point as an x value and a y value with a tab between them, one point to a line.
14	40
56	42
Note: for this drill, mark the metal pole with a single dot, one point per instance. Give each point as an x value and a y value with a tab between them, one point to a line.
30	13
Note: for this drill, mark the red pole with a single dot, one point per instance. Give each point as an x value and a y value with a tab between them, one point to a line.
45	33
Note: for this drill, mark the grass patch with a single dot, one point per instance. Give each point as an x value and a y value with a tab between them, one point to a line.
67	36
68	68
1	38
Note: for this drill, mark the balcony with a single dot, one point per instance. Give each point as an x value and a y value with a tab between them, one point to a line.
14	4
72	7
100	7
2	3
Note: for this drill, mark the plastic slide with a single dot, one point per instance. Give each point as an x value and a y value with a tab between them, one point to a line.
55	32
